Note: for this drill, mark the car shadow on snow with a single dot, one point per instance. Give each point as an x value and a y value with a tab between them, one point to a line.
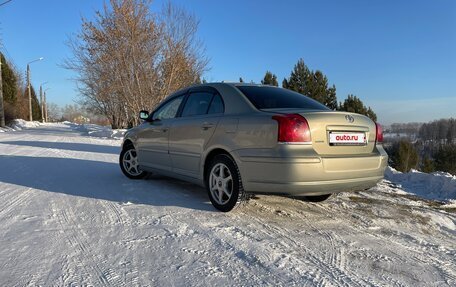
67	146
99	180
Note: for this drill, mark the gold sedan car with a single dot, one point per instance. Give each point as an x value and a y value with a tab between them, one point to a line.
239	139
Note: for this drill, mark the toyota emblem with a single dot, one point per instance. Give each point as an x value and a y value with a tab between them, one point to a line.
349	118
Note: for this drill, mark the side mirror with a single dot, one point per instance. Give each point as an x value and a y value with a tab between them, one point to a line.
144	115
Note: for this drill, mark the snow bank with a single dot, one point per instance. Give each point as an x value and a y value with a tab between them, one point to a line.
6	129
98	131
436	186
19	124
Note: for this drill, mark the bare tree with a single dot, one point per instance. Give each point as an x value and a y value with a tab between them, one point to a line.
129	59
54	112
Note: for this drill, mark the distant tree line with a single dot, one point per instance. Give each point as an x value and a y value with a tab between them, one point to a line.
408	129
433	150
315	84
443	130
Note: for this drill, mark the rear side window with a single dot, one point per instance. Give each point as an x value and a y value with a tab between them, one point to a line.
276	98
197	104
217	106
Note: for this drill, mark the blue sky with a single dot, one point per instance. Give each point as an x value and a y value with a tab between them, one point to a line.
398	56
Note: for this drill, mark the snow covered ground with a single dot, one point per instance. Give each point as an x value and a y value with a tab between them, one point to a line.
97	131
68	217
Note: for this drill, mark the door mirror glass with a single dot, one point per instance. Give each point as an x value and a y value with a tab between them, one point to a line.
144	115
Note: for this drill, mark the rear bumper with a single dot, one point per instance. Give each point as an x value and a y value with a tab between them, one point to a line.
310	175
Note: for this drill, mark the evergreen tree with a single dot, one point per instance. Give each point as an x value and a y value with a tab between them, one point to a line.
270	79
241	80
9	82
36	108
371	114
311	84
353	104
403	156
318	90
445	158
331	99
299	78
285	84
427	165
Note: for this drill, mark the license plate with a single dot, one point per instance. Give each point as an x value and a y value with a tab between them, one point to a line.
348	138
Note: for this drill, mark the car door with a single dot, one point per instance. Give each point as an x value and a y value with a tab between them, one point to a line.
152	142
191	131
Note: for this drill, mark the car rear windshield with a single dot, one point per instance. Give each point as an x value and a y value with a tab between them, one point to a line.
263	97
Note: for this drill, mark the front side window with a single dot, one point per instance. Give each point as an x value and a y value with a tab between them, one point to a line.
168	110
197	104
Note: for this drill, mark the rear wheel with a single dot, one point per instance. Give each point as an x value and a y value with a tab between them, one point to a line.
223	183
317	198
128	161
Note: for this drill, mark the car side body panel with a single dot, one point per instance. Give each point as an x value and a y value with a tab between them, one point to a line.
187	141
152	144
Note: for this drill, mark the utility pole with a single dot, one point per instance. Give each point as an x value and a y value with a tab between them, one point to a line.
41	103
28	87
45	108
29	93
2	111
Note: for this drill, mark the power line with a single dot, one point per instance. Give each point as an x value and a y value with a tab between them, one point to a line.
5	2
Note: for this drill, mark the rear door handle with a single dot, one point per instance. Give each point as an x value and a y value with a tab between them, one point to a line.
205	126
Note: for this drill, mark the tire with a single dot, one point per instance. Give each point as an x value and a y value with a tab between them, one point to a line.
317	198
224	184
128	161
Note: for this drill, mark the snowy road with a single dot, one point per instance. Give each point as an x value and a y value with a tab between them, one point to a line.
68	217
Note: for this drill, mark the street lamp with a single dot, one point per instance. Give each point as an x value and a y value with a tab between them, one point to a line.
41	102
28	87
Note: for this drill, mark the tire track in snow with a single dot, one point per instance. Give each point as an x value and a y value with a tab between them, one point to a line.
417	253
16	200
447	269
330	266
115	212
79	239
329	270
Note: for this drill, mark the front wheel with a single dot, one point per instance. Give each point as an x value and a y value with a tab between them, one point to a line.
128	161
223	183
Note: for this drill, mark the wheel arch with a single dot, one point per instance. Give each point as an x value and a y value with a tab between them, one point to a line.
127	143
214	152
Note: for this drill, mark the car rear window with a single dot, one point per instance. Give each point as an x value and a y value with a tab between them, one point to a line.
263	97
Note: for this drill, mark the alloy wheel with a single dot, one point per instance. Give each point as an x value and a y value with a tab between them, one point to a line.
221	183
130	163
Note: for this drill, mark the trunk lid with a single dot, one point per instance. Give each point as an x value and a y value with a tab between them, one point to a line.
325	126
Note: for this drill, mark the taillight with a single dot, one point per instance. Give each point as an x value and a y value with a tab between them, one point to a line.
379	133
293	128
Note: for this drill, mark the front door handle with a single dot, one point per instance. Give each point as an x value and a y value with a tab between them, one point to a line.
160	130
